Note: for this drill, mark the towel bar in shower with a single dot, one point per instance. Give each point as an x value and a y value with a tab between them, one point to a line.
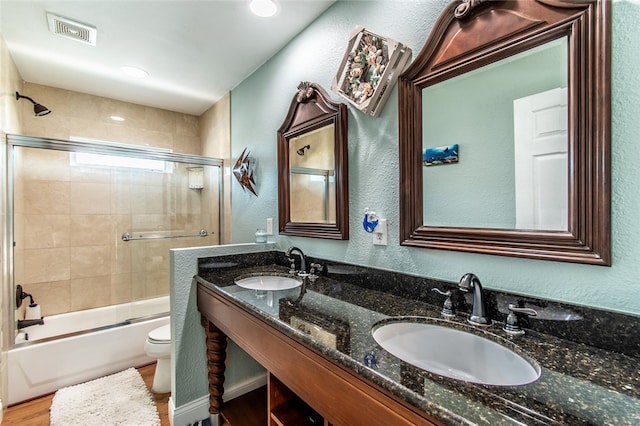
128	237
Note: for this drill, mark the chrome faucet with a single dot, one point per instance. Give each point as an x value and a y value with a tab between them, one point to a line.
303	261
469	282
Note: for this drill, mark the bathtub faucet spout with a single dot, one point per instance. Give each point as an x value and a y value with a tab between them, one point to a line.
29	323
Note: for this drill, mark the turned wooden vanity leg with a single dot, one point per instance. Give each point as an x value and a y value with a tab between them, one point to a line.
216	342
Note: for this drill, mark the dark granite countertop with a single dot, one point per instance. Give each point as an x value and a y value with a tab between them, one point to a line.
579	384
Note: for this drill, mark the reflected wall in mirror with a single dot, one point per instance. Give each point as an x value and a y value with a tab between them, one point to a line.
524	88
312	166
512	177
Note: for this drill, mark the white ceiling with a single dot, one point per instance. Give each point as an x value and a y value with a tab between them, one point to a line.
194	51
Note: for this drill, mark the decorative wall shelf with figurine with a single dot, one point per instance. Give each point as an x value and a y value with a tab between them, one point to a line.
369	70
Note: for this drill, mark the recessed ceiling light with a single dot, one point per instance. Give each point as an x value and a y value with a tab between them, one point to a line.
134	72
263	8
116	118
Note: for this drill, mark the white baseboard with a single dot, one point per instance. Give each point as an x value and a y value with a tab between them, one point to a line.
198	409
188	413
245	387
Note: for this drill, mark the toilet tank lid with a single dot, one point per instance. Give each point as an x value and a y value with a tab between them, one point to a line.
161	333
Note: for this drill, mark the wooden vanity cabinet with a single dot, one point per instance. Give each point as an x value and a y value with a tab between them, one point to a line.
299	377
285	408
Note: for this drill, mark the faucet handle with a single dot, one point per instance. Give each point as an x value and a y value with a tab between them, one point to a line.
292	268
315	267
511	325
448	308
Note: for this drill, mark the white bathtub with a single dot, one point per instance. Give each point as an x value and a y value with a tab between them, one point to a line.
44	363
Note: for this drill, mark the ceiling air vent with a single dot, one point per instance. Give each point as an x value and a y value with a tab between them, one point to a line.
65	27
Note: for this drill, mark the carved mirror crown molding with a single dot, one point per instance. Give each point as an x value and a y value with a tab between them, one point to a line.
312	112
470	34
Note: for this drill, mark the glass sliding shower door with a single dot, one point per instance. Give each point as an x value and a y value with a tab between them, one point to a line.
93	223
163	211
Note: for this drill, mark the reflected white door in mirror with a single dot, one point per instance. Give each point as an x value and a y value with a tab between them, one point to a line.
541	167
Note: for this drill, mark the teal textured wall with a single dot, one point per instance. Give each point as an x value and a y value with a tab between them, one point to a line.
188	355
259	105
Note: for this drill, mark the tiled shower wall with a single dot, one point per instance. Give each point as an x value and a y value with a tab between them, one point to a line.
69	220
81	115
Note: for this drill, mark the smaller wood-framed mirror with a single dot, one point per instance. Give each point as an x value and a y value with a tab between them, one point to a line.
446	99
313	189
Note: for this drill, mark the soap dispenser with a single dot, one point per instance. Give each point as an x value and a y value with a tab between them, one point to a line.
261	236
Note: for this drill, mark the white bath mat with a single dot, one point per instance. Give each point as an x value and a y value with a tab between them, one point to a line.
119	399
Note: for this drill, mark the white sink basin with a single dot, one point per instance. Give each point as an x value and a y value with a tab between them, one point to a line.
267	282
455	354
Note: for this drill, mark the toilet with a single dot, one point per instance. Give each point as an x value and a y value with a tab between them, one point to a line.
158	345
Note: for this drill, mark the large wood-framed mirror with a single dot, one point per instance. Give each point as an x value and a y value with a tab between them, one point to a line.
313	188
521	89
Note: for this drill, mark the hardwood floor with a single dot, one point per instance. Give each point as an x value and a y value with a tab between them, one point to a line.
35	412
247	410
161	399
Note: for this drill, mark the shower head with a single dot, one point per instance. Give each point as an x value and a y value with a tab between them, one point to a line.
301	150
38	109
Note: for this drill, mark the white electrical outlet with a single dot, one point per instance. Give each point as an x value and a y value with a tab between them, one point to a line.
380	233
270	226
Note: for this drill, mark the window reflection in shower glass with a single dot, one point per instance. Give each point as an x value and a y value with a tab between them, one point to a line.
90	159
